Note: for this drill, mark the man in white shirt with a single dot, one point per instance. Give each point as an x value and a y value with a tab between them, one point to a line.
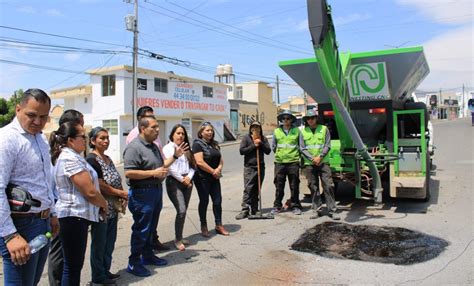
25	161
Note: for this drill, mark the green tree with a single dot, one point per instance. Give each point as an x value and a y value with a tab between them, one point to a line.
7	107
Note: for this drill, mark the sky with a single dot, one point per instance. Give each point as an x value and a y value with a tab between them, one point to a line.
49	44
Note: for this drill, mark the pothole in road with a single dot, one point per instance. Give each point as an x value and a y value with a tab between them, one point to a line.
370	243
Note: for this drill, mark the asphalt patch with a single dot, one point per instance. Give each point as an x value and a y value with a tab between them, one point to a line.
394	245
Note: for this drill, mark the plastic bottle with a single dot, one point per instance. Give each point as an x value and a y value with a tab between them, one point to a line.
39	242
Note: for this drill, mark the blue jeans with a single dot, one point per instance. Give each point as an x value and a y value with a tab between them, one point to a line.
73	236
145	206
104	235
29	273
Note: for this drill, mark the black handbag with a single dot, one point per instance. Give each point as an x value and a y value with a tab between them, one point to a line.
19	199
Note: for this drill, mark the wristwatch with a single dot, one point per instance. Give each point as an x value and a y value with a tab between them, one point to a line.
175	157
9	237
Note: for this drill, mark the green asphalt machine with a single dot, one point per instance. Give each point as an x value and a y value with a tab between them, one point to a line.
379	135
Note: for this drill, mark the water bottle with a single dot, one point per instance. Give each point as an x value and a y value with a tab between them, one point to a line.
39	242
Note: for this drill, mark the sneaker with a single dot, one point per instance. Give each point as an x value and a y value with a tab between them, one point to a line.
113	276
334	216
138	270
157	245
154	260
243	214
275	211
296	211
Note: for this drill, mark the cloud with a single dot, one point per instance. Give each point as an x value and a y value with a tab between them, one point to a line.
355	17
71	57
27	10
302	26
250	22
444	11
451	59
54	13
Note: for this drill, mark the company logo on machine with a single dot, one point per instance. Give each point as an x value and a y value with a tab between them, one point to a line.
368	82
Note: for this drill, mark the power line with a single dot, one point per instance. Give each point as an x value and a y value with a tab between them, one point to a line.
231	26
217	29
143	52
42	47
62	36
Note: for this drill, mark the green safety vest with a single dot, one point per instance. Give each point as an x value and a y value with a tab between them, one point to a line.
314	142
287	150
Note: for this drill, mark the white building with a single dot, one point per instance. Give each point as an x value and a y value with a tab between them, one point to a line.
107	102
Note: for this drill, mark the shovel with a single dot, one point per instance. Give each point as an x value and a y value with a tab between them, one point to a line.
259	214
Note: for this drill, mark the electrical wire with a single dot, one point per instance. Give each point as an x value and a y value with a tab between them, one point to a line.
216	29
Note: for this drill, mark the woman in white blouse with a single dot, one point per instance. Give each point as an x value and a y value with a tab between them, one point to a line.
79	198
179	181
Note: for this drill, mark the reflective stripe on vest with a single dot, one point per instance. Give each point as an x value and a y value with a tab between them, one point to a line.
314	142
287	150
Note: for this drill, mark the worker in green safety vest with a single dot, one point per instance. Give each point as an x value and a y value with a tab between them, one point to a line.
287	159
315	143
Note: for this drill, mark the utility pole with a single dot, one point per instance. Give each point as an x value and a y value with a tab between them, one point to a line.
278	90
135	61
131	24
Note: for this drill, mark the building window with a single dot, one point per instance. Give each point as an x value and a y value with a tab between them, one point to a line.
161	85
111	125
207	91
239	92
108	85
141	83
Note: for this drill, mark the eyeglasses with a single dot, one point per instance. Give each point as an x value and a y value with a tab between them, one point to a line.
206	123
286	118
81	136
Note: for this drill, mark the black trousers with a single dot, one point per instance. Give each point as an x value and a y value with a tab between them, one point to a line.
290	170
207	187
250	197
55	262
323	171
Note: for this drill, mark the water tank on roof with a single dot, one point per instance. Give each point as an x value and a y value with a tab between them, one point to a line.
227	69
220	70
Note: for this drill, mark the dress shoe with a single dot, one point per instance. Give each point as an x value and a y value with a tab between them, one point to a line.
221	230
113	276
205	231
107	281
157	245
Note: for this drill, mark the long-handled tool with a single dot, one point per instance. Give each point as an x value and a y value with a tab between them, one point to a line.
259	214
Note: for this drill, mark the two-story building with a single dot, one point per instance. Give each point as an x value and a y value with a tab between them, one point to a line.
107	101
252	101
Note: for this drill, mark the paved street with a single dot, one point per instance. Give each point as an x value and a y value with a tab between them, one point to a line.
257	251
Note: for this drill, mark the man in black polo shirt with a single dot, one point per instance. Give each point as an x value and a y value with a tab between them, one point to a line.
144	170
